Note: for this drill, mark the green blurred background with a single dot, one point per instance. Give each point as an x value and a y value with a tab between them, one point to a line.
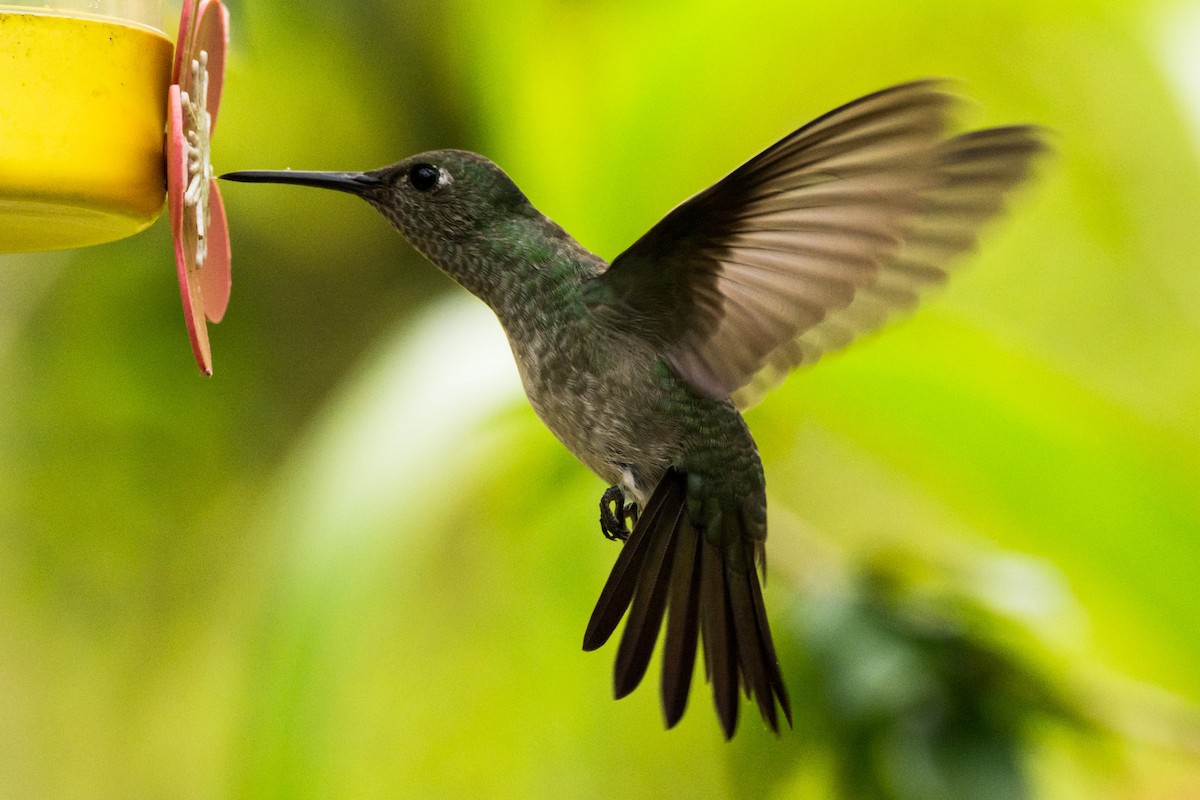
353	564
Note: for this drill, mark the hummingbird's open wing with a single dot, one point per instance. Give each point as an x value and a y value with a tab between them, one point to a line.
813	241
974	171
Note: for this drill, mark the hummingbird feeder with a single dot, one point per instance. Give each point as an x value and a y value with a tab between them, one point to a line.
99	122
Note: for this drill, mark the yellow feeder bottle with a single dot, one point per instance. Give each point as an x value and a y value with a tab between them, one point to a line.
82	114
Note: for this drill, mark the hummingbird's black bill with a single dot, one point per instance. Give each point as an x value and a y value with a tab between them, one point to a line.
356	183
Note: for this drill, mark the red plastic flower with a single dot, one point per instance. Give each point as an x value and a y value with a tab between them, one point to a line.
197	213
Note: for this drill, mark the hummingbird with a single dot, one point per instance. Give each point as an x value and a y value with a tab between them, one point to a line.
641	366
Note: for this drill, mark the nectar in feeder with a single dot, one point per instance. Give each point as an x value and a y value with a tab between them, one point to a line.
82	114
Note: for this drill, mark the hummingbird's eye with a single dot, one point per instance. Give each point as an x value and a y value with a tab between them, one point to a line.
424	177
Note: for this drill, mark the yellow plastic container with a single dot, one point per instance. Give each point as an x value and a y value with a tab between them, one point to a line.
83	98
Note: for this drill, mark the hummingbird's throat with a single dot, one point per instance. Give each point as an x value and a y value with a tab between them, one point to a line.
198	124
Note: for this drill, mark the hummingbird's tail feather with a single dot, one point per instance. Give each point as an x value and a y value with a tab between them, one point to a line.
720	643
670	569
627	571
683	624
737	638
649	603
756	652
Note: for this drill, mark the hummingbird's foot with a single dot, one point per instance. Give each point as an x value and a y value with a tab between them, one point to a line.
615	514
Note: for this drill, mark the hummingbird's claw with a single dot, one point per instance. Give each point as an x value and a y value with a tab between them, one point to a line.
615	514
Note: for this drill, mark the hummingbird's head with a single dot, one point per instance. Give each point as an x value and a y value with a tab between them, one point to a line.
440	200
446	198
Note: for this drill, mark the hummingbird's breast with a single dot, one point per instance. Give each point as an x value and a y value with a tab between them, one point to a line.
604	396
605	392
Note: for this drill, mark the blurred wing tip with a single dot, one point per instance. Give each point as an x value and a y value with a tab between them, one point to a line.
1025	137
931	84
